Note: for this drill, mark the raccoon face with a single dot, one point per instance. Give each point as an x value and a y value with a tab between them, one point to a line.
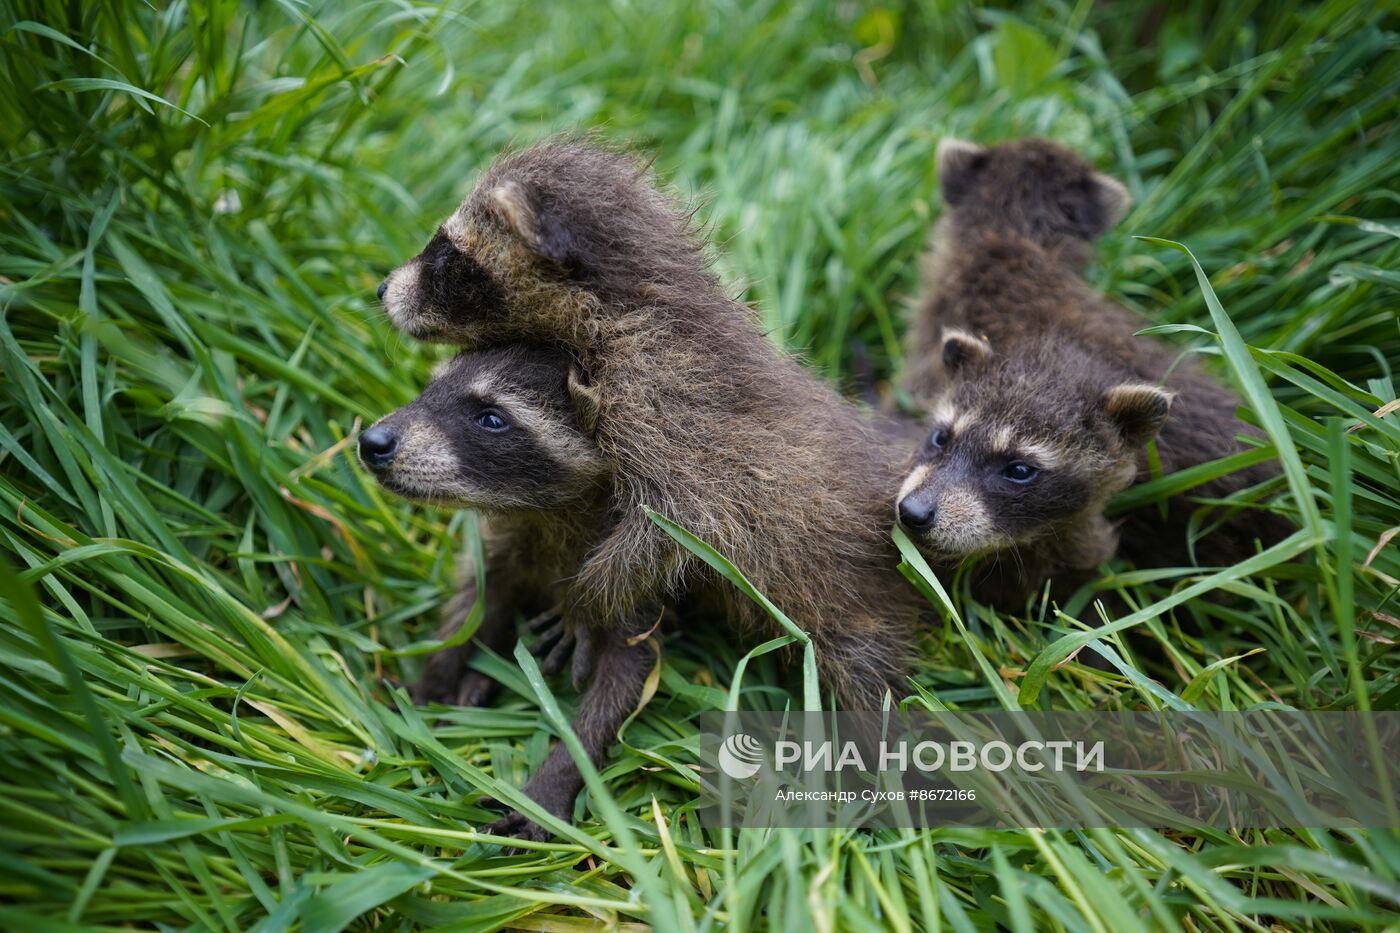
976	487
1017	452
1033	187
502	430
426	296
544	236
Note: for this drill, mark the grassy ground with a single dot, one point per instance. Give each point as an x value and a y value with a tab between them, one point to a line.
197	723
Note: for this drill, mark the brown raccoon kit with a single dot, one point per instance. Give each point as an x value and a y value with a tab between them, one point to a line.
1040	399
694	413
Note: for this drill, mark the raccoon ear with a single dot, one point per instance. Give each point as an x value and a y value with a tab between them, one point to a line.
958	162
585	399
1113	199
961	349
544	233
1138	410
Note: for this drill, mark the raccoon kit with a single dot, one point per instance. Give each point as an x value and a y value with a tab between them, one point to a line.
694	412
1040	399
507	432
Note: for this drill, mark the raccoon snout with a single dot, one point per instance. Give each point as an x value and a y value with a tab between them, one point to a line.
918	513
378	445
383	287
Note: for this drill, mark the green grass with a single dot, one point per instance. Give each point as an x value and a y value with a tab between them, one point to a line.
207	603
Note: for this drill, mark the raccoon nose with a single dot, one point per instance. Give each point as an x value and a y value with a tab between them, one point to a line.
378	446
917	513
383	287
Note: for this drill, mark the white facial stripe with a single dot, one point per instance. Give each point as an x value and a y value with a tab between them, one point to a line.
914	480
942	413
963	422
455	227
403	281
544	427
483	385
1044	456
1001	440
428	469
524	412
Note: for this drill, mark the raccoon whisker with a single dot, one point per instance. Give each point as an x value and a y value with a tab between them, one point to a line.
1020	562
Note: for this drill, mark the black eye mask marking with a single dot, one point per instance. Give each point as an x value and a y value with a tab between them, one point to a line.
494	453
456	284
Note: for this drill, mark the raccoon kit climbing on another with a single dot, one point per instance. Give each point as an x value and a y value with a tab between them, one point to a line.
507	432
1040	399
698	415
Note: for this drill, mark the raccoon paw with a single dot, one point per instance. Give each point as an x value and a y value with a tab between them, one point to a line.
476	689
517	826
585	649
442	677
553	647
552	790
547	621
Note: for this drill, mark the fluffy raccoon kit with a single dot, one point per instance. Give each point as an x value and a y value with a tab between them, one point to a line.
689	409
1040	399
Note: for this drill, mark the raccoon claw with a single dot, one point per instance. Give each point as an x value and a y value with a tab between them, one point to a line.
554	662
476	689
553	647
585	643
447	681
515	825
553	790
557	641
549	620
441	678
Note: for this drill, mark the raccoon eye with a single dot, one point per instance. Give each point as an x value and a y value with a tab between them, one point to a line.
492	421
1018	471
440	260
438	252
938	438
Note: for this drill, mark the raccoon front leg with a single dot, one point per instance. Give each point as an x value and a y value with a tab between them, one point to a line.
446	678
861	667
622	660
